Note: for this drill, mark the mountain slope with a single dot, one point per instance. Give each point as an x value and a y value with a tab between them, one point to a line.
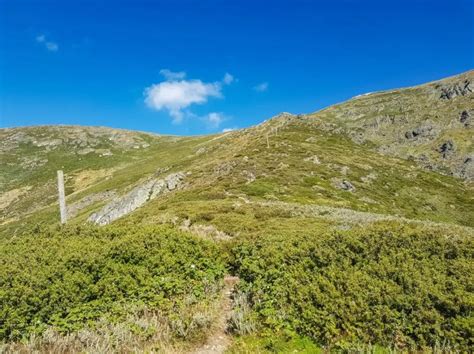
431	123
332	220
288	158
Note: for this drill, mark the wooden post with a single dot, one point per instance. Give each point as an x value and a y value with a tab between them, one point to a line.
62	198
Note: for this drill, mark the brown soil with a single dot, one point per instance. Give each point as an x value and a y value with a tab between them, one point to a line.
219	340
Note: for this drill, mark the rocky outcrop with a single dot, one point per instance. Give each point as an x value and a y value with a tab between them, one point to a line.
343	184
463	88
136	198
465	118
224	168
74	208
446	149
423	131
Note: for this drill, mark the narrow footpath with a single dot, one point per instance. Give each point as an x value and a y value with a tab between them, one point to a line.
219	340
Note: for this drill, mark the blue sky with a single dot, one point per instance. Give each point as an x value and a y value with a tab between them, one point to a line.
196	67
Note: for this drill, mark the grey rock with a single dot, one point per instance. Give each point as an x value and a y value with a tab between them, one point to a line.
458	89
224	168
201	151
33	162
314	159
419	132
446	148
48	143
104	152
85	151
173	181
74	208
136	198
249	176
465	118
348	186
467	169
343	184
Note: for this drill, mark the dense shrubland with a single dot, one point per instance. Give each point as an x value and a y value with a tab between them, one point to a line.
398	286
127	287
90	283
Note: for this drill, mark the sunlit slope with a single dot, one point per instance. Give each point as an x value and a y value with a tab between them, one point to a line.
286	159
431	123
90	157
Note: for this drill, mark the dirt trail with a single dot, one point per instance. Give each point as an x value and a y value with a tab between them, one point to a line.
219	339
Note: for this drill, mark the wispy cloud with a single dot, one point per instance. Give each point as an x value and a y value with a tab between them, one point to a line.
49	45
228	79
171	75
175	95
215	119
261	87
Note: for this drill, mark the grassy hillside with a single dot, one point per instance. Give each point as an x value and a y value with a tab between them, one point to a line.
346	229
301	163
432	123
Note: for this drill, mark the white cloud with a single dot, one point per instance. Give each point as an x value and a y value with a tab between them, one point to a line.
215	119
261	87
51	46
171	75
174	96
228	79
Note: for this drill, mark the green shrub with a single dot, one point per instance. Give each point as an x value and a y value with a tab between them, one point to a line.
397	286
72	278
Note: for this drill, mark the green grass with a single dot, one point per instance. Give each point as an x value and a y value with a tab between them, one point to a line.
273	344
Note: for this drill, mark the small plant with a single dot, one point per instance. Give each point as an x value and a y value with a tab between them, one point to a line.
242	320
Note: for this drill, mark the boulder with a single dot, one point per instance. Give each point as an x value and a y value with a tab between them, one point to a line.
136	198
343	184
348	186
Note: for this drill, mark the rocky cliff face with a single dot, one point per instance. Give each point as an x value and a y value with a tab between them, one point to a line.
136	198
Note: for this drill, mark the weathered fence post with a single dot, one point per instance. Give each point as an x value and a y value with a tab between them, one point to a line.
62	198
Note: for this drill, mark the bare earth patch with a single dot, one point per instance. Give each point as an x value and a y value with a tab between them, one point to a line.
9	197
219	340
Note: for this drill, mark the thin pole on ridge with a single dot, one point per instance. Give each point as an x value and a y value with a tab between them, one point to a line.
62	197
